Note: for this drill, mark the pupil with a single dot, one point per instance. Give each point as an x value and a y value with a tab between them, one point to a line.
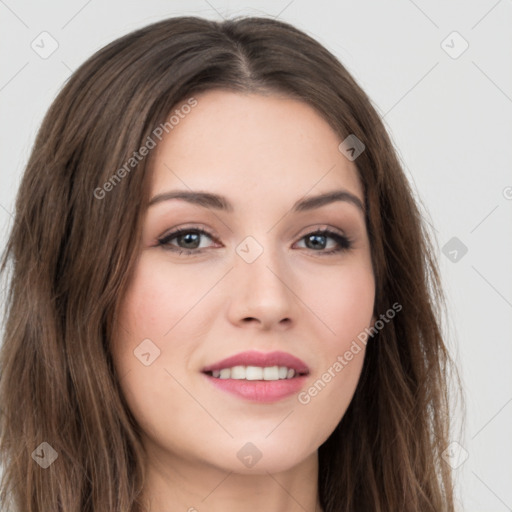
187	238
316	243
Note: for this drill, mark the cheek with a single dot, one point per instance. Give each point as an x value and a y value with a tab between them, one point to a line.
347	313
147	311
344	302
154	302
346	308
157	299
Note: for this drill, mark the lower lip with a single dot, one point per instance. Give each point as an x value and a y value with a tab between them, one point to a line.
260	390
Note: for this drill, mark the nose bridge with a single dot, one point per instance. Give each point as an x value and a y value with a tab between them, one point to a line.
259	262
262	287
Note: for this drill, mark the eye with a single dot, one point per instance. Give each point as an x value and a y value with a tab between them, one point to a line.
188	241
317	241
190	238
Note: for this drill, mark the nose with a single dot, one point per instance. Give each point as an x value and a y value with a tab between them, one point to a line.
262	292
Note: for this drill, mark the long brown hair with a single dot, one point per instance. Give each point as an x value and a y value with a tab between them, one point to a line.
72	251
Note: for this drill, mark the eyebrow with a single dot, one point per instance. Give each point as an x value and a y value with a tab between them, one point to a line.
218	202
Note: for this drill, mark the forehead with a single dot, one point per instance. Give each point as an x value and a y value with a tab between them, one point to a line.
252	145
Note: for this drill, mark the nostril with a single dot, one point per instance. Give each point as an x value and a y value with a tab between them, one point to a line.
250	319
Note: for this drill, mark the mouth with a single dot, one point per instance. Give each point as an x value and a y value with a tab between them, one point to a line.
258	376
266	373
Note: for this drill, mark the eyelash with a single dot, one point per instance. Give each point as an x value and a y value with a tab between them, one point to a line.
344	243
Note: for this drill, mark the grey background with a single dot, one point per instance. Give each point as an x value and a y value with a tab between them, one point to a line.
450	119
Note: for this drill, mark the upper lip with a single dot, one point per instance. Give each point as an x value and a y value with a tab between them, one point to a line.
255	358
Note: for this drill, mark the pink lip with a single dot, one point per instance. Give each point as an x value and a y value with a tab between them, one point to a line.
260	390
254	358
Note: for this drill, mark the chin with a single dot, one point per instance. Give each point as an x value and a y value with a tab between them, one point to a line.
259	456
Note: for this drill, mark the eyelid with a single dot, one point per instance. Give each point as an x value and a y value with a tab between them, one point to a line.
173	233
313	228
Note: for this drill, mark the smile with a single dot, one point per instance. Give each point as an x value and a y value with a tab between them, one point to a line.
254	373
264	377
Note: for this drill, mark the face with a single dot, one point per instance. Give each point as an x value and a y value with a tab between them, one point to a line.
265	269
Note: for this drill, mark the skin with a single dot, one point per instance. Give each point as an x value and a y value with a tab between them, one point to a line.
263	153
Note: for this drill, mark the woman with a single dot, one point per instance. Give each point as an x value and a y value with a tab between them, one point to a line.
223	295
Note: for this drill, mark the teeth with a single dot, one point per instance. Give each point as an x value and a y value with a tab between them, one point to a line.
238	372
255	373
271	373
225	373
